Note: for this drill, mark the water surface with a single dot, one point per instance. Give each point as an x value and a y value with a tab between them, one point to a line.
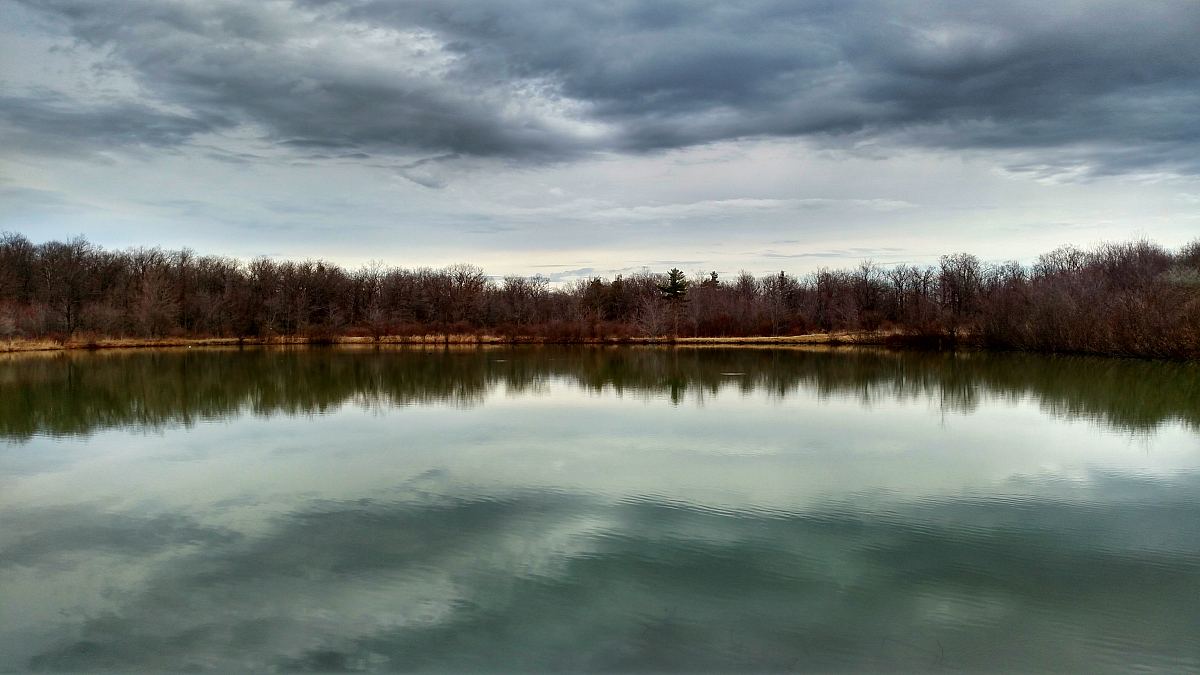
597	509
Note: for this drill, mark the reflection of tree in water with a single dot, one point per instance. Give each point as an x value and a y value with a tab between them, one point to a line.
79	393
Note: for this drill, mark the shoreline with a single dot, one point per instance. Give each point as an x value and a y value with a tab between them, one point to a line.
95	344
890	339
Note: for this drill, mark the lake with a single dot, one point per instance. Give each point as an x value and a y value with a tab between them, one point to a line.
598	509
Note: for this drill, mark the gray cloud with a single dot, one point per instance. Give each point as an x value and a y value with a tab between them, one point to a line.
1108	90
569	274
858	253
427	172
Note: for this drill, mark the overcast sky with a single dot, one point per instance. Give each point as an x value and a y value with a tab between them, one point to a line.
577	138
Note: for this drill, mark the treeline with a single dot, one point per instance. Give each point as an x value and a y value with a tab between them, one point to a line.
1134	298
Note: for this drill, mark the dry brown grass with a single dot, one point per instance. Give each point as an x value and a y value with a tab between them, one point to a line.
19	345
834	338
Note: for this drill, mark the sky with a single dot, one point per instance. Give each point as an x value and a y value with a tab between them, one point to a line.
571	139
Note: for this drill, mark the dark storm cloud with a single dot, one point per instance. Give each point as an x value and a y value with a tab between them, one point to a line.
50	122
1107	87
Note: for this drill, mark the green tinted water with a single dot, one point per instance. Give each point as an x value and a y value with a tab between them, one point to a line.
628	509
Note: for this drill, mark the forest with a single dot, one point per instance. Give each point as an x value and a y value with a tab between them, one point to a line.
1130	299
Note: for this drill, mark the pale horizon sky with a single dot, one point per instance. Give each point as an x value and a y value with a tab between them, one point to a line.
580	139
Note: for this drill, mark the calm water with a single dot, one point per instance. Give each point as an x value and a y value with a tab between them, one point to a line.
632	509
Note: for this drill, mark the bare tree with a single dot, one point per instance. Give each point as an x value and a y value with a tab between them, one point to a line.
1134	298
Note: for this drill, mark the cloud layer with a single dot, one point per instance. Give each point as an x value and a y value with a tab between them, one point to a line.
1092	88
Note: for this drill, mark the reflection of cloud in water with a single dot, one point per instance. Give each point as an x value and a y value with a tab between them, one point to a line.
63	535
552	581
